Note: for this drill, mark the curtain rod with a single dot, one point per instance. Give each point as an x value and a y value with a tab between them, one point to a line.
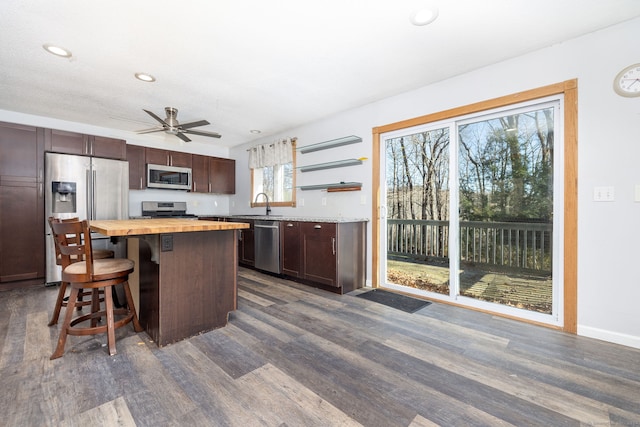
294	139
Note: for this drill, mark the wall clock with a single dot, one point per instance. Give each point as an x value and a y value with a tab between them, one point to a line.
627	82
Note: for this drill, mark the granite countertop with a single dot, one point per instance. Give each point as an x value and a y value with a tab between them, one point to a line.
288	218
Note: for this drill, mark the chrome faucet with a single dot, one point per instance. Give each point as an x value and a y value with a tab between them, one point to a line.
267	198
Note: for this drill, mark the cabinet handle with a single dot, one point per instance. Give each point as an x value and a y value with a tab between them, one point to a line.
141	184
317	226
209	187
195	186
169	160
289	225
240	236
40	189
333	245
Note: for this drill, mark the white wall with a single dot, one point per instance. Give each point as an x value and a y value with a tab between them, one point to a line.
609	146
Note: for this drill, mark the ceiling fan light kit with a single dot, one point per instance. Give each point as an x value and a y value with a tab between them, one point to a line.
171	126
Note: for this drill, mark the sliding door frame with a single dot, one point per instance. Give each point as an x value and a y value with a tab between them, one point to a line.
569	89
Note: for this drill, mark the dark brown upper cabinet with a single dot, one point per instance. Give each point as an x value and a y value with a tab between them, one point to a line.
59	141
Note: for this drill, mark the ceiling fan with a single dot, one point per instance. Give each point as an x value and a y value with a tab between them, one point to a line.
172	126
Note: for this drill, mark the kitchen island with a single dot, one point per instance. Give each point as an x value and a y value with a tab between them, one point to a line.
185	274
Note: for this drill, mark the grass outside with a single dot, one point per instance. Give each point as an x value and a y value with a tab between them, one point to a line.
513	288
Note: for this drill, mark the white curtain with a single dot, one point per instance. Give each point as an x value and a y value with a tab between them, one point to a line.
278	153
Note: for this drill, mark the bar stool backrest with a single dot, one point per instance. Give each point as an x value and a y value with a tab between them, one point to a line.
74	243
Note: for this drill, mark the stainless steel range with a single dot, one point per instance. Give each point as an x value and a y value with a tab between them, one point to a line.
166	210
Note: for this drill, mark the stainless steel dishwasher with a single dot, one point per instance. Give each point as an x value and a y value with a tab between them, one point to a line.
267	245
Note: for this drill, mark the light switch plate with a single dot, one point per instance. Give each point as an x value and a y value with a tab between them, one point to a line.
603	194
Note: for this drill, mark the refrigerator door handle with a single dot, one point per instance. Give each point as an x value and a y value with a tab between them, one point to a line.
88	201
93	196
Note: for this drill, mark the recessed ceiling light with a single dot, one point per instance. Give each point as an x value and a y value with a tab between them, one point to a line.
145	77
424	16
255	131
57	50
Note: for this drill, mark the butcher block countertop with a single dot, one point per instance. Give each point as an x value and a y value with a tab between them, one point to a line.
132	227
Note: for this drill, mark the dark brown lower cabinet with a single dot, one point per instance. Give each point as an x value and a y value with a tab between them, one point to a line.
334	254
246	245
290	248
21	232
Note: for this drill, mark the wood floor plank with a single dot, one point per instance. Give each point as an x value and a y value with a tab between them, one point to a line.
556	399
161	388
295	355
114	413
256	299
293	403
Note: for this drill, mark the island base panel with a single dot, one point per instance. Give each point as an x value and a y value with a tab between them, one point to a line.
192	288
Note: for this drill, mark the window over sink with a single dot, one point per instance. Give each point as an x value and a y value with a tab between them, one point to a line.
273	174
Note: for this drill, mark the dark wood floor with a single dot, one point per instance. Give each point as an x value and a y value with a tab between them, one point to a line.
296	356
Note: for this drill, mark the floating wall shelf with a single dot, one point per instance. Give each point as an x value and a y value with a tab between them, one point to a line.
330	165
330	144
338	186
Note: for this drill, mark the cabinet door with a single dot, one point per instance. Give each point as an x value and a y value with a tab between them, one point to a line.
222	175
319	253
21	203
290	248
155	156
200	173
108	148
21	155
69	142
246	247
22	243
179	159
137	167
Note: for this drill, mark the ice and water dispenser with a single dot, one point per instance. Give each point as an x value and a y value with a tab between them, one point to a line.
64	197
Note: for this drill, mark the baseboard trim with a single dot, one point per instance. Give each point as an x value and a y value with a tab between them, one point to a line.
609	336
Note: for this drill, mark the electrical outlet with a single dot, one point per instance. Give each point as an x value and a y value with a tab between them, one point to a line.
324	201
603	194
166	242
363	200
300	202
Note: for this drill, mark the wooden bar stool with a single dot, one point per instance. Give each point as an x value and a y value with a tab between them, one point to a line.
92	274
61	300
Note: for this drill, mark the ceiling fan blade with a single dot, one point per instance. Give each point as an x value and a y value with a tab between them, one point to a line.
182	137
162	122
203	133
194	124
149	130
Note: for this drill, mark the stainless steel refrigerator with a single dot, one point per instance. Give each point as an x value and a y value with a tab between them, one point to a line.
87	188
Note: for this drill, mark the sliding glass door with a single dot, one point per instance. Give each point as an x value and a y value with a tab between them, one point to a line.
469	210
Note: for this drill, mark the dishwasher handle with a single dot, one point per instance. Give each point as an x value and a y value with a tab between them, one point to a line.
265	226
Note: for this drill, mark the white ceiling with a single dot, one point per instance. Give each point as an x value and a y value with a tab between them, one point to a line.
260	64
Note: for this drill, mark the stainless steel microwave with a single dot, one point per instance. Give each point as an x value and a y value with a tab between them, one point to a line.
169	177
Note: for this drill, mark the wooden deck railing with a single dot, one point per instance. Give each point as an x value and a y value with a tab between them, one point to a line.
520	245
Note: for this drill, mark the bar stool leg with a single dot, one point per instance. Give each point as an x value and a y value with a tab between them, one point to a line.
95	306
62	339
58	306
132	308
111	335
